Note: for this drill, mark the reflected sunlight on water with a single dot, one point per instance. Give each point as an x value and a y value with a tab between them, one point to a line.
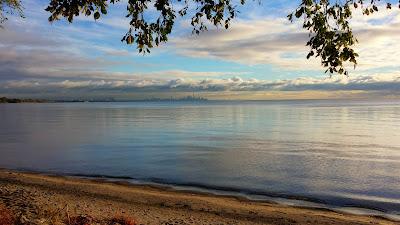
343	153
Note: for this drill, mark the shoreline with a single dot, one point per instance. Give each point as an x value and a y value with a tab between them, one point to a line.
171	206
217	191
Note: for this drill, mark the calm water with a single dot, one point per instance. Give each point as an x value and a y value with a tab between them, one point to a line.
344	154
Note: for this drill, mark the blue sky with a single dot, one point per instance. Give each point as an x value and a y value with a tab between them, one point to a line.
262	56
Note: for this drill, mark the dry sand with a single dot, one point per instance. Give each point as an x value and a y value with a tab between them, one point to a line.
39	199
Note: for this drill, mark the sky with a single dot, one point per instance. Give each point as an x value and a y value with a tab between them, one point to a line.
262	56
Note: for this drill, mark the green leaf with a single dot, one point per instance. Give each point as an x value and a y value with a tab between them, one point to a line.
96	15
103	9
129	39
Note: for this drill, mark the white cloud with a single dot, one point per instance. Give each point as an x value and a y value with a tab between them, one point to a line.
276	41
385	83
258	41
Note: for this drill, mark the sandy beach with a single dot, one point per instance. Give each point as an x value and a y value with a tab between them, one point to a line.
43	199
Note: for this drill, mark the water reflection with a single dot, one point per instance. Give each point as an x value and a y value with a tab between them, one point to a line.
343	153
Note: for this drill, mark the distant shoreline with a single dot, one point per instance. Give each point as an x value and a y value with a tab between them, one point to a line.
22	100
185	99
30	100
152	204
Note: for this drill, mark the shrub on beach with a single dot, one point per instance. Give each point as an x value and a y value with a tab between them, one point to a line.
123	220
80	220
6	216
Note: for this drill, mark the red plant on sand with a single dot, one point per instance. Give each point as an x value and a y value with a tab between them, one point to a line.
123	220
6	216
80	220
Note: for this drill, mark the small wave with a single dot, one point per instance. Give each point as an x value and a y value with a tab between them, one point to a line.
331	203
99	176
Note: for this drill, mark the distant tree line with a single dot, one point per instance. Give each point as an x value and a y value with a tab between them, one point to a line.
18	100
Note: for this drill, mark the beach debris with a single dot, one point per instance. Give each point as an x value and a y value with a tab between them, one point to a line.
41	221
122	220
176	222
24	220
80	220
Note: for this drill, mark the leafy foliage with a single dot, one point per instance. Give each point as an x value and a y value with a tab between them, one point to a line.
331	36
328	21
144	32
9	7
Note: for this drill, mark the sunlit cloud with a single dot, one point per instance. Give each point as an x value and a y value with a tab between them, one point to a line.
235	84
259	41
276	41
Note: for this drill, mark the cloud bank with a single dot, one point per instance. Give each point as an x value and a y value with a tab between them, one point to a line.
276	41
235	84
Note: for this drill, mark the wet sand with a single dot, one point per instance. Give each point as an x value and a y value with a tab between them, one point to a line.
44	199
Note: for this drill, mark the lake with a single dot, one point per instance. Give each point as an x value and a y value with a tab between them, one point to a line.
343	155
